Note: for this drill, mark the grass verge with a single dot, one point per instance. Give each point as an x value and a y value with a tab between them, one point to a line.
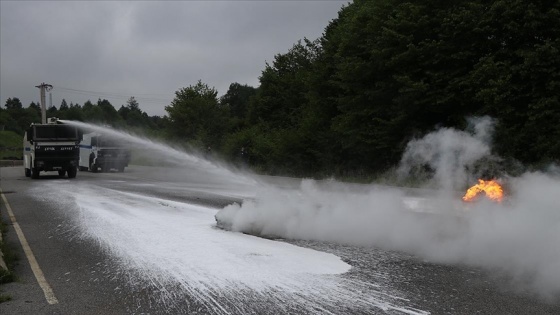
10	257
5	298
11	145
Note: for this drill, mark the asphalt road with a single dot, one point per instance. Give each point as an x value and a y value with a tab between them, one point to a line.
86	278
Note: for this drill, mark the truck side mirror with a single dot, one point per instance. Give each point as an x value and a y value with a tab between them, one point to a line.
30	134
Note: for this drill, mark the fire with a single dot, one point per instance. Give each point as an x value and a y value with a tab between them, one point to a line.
491	188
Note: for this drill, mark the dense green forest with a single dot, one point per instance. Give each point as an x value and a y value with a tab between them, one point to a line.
383	73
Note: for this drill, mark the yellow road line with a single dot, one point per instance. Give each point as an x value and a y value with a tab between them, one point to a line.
49	294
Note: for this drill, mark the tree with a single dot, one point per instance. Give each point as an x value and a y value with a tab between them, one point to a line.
13	103
237	98
133	116
518	78
195	116
395	70
109	112
35	107
74	112
276	112
132	104
92	113
283	86
52	112
8	122
63	105
234	104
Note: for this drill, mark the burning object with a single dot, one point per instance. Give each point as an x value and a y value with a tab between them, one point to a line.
491	188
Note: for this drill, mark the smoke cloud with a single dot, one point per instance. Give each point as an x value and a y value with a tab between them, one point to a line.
447	154
517	238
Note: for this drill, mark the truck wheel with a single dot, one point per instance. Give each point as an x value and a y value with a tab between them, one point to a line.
34	173
92	166
27	172
72	172
61	173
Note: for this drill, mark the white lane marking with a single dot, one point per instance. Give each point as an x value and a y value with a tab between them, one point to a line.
49	294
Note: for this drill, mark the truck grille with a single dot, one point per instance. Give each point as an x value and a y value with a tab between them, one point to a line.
51	152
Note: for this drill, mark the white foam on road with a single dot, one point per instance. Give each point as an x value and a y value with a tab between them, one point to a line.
172	242
182	236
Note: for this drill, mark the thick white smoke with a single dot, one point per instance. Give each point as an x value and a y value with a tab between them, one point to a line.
518	237
449	153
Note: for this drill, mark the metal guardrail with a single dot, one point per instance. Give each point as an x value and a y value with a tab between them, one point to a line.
5	163
12	158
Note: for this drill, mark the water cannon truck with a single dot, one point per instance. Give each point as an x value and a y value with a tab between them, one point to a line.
101	153
53	146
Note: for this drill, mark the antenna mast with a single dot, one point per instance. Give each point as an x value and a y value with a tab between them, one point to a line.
44	87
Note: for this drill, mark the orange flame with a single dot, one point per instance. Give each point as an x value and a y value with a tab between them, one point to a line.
492	189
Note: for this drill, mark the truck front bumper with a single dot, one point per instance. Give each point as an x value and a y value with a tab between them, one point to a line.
55	164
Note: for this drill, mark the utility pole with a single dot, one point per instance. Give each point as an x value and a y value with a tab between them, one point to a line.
44	87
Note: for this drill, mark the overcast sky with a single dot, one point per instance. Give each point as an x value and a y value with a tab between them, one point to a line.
114	50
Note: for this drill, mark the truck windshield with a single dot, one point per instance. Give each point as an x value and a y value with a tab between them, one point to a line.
56	133
109	142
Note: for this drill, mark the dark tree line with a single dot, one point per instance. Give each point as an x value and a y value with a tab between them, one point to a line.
383	72
386	71
16	118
